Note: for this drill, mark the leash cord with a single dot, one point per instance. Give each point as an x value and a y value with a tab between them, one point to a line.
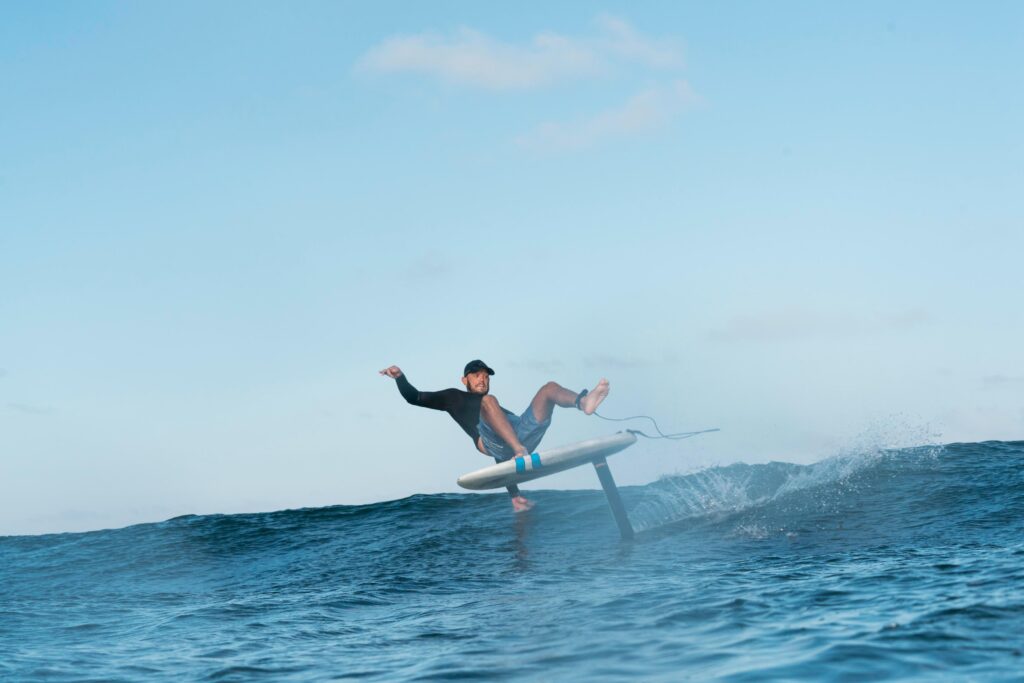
661	435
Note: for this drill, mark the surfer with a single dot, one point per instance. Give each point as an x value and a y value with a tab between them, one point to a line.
497	432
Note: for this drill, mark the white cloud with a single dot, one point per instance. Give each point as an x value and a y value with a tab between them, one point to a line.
617	362
999	381
542	365
645	111
29	409
624	40
614	48
795	324
472	58
428	267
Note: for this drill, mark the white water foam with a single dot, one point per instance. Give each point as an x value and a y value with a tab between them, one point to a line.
718	491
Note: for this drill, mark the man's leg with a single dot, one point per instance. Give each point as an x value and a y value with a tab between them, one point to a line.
553	394
513	490
494	416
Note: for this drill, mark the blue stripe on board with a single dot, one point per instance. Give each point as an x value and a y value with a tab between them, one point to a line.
535	460
520	464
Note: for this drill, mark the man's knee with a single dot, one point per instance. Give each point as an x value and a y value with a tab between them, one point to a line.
488	402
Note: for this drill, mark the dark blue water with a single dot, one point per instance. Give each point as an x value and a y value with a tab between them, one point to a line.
886	565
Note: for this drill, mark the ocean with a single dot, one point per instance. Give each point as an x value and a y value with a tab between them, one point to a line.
900	564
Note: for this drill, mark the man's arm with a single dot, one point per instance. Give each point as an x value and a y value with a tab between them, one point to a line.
426	399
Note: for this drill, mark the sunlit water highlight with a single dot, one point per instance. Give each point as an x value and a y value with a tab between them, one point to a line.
880	565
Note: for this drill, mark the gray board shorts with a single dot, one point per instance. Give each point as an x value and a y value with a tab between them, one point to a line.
528	430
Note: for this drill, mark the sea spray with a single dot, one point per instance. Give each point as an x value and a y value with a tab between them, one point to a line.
718	491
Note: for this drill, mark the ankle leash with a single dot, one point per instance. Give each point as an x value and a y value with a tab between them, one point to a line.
579	397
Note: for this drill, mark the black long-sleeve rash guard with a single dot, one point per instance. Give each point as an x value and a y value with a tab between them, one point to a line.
463	406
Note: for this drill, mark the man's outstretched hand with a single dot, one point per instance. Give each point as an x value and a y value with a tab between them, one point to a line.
394	372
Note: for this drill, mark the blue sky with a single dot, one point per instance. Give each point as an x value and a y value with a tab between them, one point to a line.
799	223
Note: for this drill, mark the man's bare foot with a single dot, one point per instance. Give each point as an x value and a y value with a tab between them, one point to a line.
590	402
520	504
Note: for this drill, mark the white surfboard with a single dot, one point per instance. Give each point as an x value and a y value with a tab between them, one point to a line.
543	463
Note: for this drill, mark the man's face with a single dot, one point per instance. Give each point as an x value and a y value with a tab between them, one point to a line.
478	382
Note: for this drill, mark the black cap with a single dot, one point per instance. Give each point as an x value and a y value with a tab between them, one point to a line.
476	366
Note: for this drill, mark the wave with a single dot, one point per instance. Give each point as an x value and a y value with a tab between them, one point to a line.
975	484
831	568
971	484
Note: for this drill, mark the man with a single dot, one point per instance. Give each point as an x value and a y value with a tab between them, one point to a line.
495	431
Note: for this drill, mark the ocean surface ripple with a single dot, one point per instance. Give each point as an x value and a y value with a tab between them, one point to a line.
888	564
